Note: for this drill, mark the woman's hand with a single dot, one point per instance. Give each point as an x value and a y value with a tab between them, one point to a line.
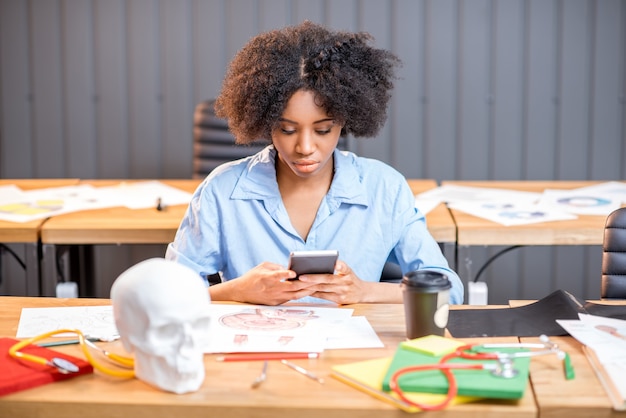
265	284
344	287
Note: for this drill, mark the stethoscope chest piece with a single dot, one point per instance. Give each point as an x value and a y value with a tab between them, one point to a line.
64	366
505	369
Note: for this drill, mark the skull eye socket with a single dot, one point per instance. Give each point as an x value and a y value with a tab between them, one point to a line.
167	334
174	334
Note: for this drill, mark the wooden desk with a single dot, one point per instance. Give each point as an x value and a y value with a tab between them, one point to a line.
226	390
579	398
116	225
28	233
472	230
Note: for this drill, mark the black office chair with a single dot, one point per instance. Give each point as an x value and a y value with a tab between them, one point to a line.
213	144
614	256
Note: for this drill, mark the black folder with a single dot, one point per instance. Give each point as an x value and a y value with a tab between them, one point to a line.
527	321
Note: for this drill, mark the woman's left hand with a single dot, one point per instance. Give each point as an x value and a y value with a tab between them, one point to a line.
344	287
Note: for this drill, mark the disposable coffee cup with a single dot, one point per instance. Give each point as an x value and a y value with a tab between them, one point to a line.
426	296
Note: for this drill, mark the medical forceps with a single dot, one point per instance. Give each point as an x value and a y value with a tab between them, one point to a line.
503	367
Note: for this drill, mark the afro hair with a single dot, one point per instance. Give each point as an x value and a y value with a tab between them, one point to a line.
351	80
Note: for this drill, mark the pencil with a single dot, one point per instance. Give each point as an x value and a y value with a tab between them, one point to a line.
266	356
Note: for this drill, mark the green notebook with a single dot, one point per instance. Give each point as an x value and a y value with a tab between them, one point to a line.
479	383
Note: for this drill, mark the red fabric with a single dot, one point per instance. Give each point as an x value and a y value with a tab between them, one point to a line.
16	375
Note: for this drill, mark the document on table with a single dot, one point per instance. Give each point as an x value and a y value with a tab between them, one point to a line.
143	194
24	206
581	201
43	203
234	328
606	338
94	321
451	193
251	328
513	207
513	213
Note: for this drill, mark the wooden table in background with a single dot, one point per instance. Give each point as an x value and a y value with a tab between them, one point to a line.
116	225
79	231
472	230
226	390
28	233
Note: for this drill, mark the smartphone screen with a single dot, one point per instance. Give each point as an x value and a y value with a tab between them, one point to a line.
313	262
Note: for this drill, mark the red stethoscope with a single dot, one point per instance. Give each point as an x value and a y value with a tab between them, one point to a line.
503	367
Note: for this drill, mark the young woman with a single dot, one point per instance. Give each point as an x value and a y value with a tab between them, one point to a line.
302	88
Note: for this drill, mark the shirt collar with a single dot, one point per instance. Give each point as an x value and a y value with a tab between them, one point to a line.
258	180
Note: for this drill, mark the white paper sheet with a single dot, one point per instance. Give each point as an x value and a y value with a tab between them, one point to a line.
43	203
512	213
580	202
24	206
356	332
235	328
607	337
251	328
94	321
10	193
615	189
452	193
144	195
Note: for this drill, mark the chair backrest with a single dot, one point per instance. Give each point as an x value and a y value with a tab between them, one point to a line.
213	144
614	256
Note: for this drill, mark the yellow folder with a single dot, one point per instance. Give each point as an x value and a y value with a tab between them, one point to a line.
367	376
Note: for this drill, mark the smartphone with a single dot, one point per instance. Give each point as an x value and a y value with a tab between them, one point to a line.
313	262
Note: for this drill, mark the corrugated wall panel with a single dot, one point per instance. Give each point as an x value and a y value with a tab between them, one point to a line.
47	116
508	87
540	95
474	90
490	89
440	62
16	136
79	89
606	141
144	92
405	116
575	53
110	79
177	87
273	14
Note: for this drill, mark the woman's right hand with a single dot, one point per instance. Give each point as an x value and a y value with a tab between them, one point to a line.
265	284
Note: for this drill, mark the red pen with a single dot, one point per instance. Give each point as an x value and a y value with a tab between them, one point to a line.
266	356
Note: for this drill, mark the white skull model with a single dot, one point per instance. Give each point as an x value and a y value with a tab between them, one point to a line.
161	311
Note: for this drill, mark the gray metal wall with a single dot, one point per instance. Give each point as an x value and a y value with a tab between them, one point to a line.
490	89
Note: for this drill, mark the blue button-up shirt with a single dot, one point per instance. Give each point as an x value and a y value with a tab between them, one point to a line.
237	220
